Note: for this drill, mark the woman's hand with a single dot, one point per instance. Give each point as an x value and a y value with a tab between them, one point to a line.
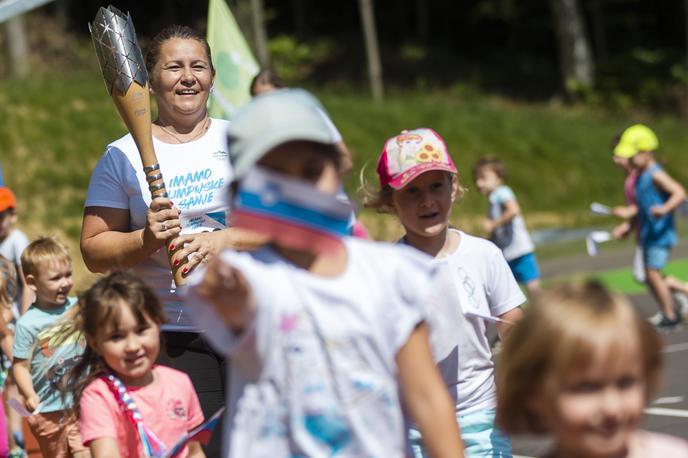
193	249
203	246
162	223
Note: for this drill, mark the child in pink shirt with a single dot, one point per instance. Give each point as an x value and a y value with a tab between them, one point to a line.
128	405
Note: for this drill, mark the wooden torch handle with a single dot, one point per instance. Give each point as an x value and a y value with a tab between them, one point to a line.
134	109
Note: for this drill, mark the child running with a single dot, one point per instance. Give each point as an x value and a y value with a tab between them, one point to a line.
582	366
39	361
505	225
128	406
324	340
419	183
657	195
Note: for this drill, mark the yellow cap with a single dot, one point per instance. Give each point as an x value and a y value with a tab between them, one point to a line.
635	139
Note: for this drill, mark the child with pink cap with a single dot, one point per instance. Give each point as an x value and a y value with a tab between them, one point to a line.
419	183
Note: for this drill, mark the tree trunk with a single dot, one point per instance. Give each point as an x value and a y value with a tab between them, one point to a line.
372	49
597	18
423	21
259	32
17	47
299	14
575	57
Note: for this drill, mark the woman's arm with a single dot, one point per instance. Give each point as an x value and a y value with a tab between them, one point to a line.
107	242
104	447
426	397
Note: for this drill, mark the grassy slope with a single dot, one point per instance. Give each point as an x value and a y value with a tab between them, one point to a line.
557	157
54	130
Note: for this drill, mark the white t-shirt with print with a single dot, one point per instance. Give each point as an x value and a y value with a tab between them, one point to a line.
474	278
315	373
513	237
196	175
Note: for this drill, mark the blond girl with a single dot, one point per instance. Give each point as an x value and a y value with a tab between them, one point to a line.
581	366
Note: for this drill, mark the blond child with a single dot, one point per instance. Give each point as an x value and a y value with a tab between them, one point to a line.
581	367
657	195
419	183
39	361
326	333
505	224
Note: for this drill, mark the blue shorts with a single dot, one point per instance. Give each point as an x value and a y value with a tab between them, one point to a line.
525	268
656	257
479	434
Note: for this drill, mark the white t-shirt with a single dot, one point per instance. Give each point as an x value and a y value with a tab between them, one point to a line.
513	237
315	373
475	277
196	175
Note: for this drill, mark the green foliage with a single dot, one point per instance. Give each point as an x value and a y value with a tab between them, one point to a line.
53	133
295	60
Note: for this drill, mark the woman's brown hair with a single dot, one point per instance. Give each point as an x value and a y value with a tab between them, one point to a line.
174	31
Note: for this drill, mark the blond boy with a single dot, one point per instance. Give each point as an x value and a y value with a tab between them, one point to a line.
39	359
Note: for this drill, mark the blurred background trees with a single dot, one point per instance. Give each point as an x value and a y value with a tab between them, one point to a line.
613	52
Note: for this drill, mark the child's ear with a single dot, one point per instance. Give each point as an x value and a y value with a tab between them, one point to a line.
93	344
31	281
455	187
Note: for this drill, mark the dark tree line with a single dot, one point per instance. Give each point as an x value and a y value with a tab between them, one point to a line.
523	48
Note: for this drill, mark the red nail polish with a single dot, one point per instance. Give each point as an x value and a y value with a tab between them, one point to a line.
171	247
176	263
185	270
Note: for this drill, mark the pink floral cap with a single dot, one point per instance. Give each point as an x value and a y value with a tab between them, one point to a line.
411	153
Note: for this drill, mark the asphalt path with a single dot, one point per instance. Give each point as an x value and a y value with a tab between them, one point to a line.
668	412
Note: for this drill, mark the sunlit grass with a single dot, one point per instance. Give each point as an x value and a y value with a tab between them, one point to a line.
54	130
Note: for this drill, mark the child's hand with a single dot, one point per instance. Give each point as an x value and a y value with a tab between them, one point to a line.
624	211
621	231
32	402
489	226
658	210
228	291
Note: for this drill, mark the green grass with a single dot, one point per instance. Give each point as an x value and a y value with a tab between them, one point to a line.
621	280
55	129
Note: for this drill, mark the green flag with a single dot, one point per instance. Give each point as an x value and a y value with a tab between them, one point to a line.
234	62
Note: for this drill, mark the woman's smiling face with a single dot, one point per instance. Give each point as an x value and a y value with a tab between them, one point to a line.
182	78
